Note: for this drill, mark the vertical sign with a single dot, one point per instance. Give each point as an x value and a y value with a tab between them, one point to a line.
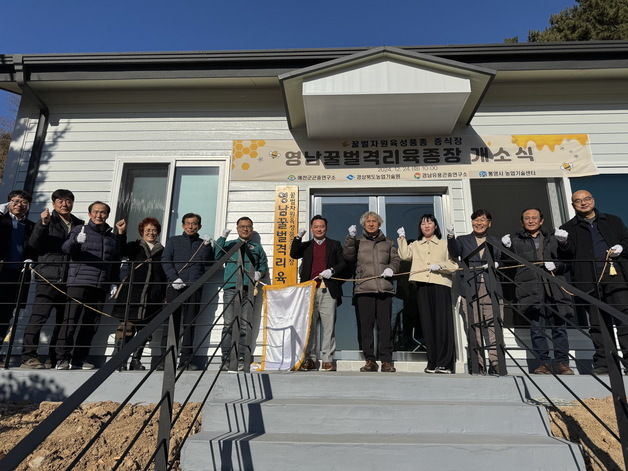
286	227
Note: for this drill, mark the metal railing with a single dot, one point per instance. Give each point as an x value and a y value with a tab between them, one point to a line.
598	309
164	408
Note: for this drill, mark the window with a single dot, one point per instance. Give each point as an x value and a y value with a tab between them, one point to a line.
195	190
607	191
142	194
169	189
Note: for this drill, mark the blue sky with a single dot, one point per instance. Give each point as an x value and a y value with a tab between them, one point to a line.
37	26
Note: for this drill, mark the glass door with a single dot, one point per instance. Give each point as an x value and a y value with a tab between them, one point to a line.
396	211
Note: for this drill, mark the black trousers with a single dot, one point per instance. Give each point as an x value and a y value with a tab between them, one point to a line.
47	299
437	323
9	289
375	309
79	324
184	319
612	291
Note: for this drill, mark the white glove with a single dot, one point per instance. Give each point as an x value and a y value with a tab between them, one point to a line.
550	266
81	237
561	235
496	265
226	233
257	276
506	241
112	291
485	266
617	250
301	233
326	273
353	230
401	232
28	261
435	267
207	240
451	230
387	273
4	207
178	284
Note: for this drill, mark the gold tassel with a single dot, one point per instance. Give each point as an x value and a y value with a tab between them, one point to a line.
322	285
612	271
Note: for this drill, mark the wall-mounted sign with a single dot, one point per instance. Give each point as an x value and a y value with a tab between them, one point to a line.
286	227
426	158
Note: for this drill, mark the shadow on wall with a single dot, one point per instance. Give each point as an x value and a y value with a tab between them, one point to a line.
34	388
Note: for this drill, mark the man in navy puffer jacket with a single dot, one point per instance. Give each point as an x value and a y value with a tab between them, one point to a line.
89	281
184	260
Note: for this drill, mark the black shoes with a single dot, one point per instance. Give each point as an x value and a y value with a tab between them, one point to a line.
369	367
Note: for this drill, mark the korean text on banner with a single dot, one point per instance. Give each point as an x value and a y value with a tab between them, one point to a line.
419	158
286	323
286	227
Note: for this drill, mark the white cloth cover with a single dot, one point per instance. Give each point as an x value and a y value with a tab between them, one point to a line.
286	323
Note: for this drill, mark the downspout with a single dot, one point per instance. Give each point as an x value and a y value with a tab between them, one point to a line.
42	124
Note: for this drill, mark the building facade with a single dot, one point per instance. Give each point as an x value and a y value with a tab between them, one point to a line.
402	131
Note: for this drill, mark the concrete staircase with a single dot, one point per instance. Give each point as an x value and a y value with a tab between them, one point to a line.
348	421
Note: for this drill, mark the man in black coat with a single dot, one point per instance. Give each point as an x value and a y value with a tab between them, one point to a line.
477	285
15	231
541	302
48	236
596	243
322	258
185	259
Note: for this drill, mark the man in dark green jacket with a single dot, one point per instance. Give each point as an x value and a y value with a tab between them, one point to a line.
253	254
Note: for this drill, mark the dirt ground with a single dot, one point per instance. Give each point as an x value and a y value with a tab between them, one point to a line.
62	446
601	451
574	423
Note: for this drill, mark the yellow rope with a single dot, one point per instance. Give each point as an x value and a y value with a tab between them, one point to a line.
66	294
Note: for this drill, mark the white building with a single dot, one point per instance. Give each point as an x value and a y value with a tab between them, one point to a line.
153	134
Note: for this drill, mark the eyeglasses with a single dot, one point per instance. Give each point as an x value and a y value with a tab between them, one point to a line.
20	202
586	199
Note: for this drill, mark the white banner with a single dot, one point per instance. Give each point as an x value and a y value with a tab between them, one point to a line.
286	323
422	158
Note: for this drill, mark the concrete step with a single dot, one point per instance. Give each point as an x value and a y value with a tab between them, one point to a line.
375	386
332	415
348	452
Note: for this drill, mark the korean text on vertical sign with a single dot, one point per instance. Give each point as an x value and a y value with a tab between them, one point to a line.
286	227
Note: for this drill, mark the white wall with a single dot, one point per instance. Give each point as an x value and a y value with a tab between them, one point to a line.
598	108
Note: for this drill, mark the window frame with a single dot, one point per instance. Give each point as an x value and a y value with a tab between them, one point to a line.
220	162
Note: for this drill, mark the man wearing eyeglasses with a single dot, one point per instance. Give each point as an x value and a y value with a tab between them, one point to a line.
597	244
15	231
48	236
252	253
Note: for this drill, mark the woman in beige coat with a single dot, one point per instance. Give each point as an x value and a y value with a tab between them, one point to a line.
431	271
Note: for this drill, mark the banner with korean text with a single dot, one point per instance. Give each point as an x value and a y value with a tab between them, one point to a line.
286	227
286	323
424	158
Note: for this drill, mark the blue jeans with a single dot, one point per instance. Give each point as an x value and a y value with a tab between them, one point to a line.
540	316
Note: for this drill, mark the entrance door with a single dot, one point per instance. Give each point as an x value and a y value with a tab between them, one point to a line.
396	211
